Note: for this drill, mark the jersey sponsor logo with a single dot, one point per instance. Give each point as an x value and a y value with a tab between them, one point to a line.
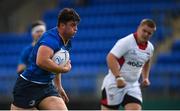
138	55
148	53
135	63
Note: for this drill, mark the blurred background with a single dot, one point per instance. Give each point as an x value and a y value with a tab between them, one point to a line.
103	22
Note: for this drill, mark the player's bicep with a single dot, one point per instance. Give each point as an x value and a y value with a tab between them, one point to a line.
147	65
111	56
44	53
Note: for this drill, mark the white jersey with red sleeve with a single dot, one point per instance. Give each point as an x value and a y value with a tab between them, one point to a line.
131	57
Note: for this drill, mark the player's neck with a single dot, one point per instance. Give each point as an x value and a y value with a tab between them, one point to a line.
63	36
65	41
33	43
138	39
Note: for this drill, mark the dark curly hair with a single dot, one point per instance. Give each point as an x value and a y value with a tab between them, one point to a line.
66	15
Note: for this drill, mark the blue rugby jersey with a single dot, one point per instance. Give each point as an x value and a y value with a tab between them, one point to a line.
24	57
51	39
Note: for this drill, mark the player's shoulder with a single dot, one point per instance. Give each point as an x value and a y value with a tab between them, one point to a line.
127	39
53	31
26	50
51	39
28	47
50	35
150	45
130	37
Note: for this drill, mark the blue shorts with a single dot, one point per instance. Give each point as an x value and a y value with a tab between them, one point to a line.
27	94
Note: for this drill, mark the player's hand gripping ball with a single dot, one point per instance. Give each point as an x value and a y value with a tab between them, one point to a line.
61	57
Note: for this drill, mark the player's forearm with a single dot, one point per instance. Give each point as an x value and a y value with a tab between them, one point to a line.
145	75
113	64
20	68
146	70
57	81
45	62
50	66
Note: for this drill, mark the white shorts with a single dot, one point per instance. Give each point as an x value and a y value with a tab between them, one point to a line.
114	96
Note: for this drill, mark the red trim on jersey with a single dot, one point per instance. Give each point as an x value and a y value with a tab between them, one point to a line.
121	61
142	46
104	101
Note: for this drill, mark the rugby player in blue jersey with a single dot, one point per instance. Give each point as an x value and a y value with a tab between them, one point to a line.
34	88
38	28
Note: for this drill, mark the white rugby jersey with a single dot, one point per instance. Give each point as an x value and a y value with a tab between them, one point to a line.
131	58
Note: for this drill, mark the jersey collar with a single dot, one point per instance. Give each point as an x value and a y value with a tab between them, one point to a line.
68	45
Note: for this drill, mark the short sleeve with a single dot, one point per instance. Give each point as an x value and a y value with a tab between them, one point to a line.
151	49
120	48
24	56
50	42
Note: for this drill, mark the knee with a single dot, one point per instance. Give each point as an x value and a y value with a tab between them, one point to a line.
52	103
133	106
13	107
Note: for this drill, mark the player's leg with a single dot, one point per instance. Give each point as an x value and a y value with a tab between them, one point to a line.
51	99
132	106
113	100
131	103
110	107
133	99
13	107
52	103
111	96
104	108
22	97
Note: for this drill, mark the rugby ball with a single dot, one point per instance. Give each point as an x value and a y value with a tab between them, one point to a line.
61	57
